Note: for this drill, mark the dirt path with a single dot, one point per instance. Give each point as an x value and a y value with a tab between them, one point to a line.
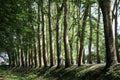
1	78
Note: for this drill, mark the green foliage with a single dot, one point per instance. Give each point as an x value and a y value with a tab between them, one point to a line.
93	1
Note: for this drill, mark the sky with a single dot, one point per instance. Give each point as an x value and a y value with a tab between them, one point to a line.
119	24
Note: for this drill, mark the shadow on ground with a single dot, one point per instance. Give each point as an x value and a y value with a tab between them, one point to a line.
84	72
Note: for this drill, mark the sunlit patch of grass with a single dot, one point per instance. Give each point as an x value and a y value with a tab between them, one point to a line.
31	76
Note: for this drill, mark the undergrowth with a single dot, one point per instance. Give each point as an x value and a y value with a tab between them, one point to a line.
85	72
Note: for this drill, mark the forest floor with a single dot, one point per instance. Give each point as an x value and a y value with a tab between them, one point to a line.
85	72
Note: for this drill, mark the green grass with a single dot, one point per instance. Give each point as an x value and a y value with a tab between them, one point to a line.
85	72
18	74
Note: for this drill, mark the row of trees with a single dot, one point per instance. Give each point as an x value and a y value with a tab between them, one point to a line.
56	32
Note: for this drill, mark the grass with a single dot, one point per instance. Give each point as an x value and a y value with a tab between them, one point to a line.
84	72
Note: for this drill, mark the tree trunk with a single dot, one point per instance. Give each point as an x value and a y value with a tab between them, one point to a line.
58	41
78	32
39	38
83	57
35	48
71	46
97	38
50	35
22	57
65	37
18	58
32	58
26	56
9	56
21	52
82	38
111	57
116	34
90	40
44	38
29	57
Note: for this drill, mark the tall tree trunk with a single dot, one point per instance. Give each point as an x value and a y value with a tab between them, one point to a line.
97	38
39	38
29	52
111	57
82	38
50	35
26	55
32	58
78	32
18	56
13	59
65	37
21	52
18	46
77	49
22	57
58	41
71	46
44	38
35	53
83	60
116	26
29	56
35	48
90	40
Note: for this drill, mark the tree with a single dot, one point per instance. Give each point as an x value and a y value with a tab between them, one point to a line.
65	37
43	37
116	26
78	29
97	38
111	57
50	34
58	41
82	36
39	38
90	39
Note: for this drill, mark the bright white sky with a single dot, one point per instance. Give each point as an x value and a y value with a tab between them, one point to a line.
119	24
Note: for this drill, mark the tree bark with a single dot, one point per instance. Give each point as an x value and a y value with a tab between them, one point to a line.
35	50
71	46
43	37
39	38
111	57
65	37
90	40
58	40
116	26
78	32
50	35
97	38
82	38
